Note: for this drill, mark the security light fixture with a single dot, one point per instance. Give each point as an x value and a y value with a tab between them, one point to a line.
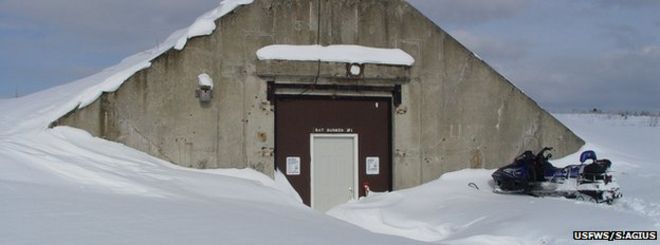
355	70
204	89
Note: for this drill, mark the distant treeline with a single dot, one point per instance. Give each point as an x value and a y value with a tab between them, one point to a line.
622	113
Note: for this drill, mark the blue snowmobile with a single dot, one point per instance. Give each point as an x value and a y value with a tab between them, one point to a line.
535	175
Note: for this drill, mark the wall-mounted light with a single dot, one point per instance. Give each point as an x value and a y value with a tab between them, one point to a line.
204	89
355	70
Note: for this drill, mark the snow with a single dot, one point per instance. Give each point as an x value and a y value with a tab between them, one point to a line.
205	80
336	53
63	186
449	211
205	24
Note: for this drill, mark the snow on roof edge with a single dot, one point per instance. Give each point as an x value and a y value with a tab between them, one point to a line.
336	53
53	103
39	110
204	25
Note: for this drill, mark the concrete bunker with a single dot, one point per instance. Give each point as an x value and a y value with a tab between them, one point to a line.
394	124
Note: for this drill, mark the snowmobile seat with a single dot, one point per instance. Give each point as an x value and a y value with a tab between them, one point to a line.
598	167
596	171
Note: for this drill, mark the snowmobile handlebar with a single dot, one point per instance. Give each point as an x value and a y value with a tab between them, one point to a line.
542	154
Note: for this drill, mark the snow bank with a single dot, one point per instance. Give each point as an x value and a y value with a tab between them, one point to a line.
449	211
336	53
63	186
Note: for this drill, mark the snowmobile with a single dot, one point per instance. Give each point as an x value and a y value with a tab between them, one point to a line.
535	175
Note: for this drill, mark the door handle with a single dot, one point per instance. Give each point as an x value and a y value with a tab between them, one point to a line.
351	193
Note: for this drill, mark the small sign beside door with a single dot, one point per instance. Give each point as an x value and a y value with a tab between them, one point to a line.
373	165
293	166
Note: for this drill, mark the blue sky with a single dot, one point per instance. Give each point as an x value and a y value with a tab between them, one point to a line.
565	54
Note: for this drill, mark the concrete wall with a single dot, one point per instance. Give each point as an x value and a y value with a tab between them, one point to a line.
457	112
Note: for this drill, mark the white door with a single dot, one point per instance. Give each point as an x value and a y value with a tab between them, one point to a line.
334	170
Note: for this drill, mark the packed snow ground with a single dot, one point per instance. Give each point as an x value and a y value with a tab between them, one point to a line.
449	211
63	186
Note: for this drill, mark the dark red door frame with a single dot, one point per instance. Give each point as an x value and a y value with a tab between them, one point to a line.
298	116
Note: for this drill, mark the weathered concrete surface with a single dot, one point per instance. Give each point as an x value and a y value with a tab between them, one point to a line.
291	69
457	112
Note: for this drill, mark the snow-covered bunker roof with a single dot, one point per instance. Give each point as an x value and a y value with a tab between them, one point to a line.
65	98
204	25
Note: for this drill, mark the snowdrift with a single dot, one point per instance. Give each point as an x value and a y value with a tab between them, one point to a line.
448	210
62	186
